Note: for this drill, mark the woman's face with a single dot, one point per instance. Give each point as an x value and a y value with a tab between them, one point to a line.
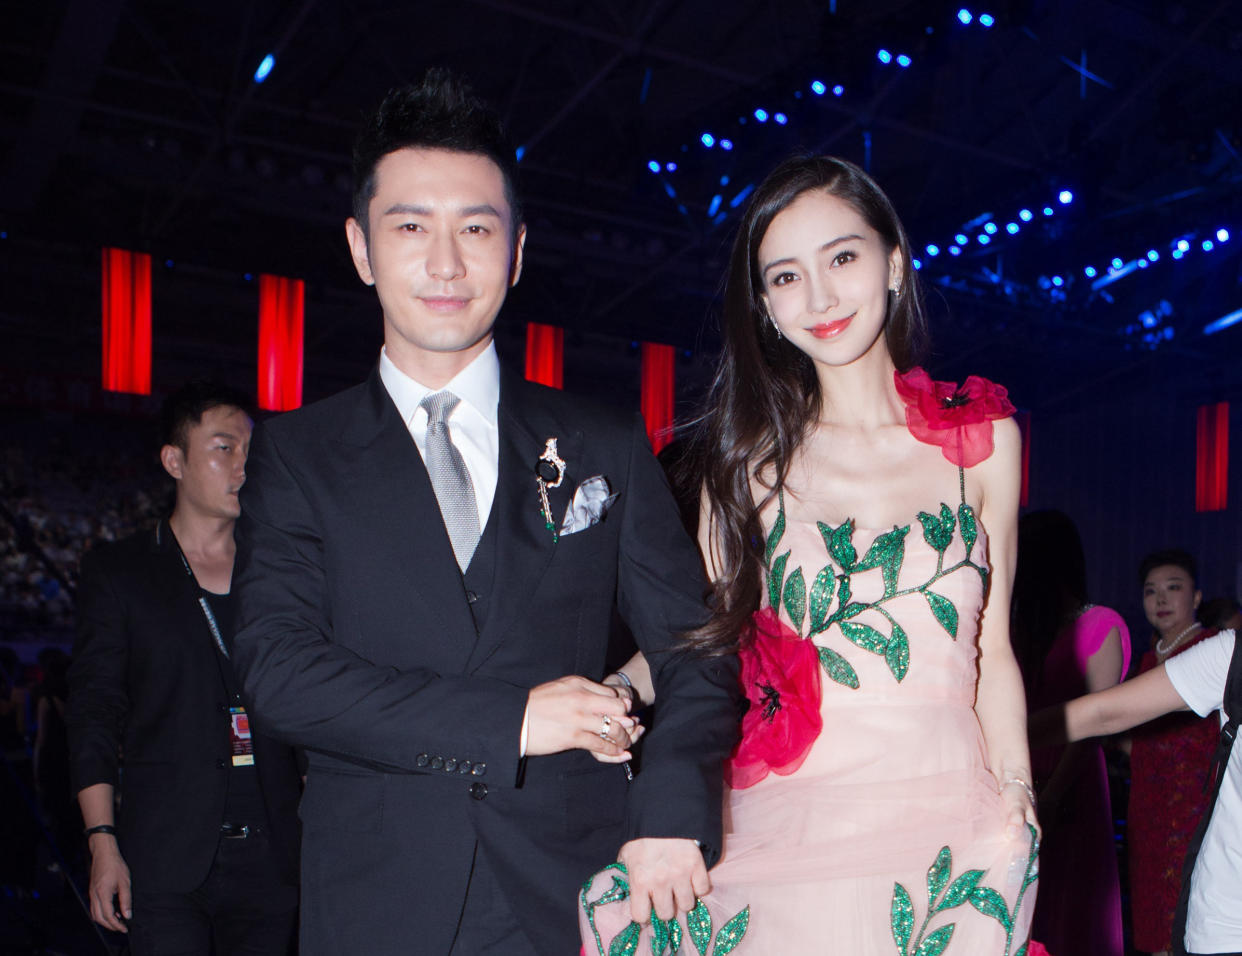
826	277
1169	599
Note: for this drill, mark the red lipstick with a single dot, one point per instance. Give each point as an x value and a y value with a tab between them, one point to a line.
830	330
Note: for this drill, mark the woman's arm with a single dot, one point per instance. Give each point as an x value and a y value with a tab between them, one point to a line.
1000	702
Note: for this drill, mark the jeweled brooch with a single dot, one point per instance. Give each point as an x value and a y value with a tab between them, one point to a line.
549	473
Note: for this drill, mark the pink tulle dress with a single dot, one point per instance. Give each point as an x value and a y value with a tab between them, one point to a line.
863	817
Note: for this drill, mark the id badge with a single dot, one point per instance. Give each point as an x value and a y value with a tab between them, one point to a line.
239	731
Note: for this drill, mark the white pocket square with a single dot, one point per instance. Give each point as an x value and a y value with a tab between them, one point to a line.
591	502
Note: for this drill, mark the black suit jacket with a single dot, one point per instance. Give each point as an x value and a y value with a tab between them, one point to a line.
145	681
357	642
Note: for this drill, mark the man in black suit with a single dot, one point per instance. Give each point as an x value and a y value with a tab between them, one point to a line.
428	565
208	829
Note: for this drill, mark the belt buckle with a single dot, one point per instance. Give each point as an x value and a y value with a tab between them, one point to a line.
230	831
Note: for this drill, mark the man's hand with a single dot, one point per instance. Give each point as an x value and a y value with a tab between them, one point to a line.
666	875
109	880
574	713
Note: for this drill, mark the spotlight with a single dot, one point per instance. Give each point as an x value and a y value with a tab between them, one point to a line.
1152	255
781	119
1047	210
653	166
726	144
1117	262
670	167
964	16
708	140
1090	272
519	153
903	61
933	250
838	90
990	228
818	88
1142	263
266	66
1026	215
715	205
1208	245
884	56
986	20
960	239
1045	283
1222	235
1011	228
1178	253
1058	281
1183	245
984	238
761	115
955	250
1065	197
918	263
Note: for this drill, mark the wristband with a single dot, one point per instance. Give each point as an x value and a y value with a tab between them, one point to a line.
629	685
102	828
1019	782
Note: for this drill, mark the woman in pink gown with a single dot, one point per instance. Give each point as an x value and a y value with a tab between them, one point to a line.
1068	647
859	521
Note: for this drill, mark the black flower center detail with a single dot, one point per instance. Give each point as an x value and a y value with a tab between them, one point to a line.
956	400
771	701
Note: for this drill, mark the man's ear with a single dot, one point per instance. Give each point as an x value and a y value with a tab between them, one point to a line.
356	236
173	460
519	248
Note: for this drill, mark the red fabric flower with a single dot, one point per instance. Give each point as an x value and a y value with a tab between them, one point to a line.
1036	949
957	418
780	678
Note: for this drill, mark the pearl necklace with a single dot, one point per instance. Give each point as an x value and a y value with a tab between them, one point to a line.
1165	651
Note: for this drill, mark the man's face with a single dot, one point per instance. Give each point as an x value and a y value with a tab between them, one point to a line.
442	253
212	468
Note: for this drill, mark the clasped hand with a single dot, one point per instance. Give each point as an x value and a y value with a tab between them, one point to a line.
666	877
573	713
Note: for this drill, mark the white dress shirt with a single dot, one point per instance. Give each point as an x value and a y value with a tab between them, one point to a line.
472	425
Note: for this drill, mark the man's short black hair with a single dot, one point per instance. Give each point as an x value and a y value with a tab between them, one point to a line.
184	408
440	112
1169	557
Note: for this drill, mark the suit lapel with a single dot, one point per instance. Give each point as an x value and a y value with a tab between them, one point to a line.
524	544
387	468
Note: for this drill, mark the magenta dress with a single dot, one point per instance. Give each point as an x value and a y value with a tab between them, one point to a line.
1079	911
863	817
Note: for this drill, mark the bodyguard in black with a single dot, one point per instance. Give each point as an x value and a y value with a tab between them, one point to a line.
203	855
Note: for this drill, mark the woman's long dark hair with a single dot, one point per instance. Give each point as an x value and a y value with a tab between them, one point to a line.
1049	588
765	396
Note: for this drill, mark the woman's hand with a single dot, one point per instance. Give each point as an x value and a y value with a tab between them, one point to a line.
1017	796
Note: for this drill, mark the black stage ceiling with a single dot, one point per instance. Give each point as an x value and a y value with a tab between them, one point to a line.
139	123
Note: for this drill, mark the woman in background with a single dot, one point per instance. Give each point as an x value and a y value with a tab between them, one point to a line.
1068	647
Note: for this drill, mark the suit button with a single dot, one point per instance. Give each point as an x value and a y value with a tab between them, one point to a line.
450	764
437	762
463	767
471	597
479	769
219	763
478	790
420	760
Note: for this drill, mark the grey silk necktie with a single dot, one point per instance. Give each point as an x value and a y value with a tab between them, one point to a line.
450	479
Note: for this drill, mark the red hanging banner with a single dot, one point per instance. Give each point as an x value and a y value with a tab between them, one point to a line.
281	310
657	393
1212	457
126	298
545	354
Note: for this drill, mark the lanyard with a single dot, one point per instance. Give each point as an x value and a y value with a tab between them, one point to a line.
202	601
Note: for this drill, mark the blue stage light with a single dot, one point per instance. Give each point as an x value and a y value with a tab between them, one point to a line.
761	115
964	16
708	140
1047	210
670	167
1065	197
1178	253
1058	281
519	153
933	250
955	250
1045	283
1142	263
1208	245
818	88
741	197
903	61
1117	262
1148	319
781	119
1183	245
960	239
990	228
918	263
1222	235
726	144
1152	255
986	19
1011	228
668	188
884	56
724	180
1025	215
266	66
249	276
653	166
838	90
1090	272
714	207
984	238
1233	318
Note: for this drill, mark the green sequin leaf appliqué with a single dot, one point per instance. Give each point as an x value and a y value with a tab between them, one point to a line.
840	544
864	636
626	942
774	537
837	667
665	937
961	889
699	924
990	903
970	529
776	579
935	943
821	600
945	611
938	873
886	553
897	654
902	918
795	599
938	531
731	933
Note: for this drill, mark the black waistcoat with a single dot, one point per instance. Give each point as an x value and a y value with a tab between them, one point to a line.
480	576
